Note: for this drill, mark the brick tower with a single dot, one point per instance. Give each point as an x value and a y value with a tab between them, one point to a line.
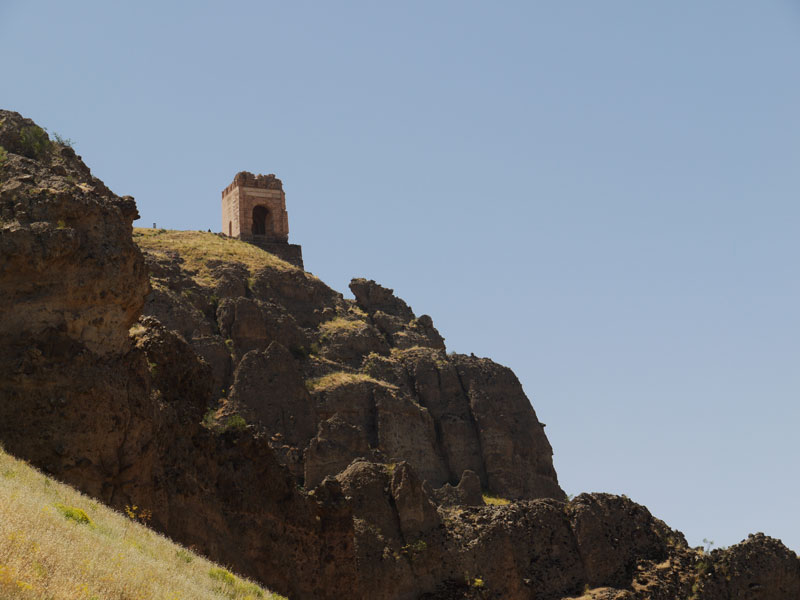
254	210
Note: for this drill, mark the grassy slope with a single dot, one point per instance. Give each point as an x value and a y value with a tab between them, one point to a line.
196	248
58	544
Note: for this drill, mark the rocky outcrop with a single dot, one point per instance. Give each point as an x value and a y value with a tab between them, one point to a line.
67	260
116	411
327	447
268	386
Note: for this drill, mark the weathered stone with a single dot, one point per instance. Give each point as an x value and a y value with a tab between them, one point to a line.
335	446
268	385
406	432
373	297
516	454
416	512
467	493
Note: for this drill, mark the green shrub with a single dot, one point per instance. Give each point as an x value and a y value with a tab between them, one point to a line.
72	513
34	142
235	422
62	140
223	576
3	156
184	555
413	550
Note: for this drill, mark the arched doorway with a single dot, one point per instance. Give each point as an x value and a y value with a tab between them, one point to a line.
260	220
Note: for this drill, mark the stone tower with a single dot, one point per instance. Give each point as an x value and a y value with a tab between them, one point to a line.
254	210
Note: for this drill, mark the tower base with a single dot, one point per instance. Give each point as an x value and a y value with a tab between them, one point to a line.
291	253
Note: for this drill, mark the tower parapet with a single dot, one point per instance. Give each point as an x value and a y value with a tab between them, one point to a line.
254	210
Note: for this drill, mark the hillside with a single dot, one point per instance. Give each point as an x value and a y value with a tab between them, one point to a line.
57	543
323	446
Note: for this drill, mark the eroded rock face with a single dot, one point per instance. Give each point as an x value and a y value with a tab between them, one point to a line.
67	260
269	387
360	450
118	415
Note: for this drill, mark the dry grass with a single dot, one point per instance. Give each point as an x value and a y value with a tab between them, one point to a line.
341	324
341	378
57	544
197	248
495	500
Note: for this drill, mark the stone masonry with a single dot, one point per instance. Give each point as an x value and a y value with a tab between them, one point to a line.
254	210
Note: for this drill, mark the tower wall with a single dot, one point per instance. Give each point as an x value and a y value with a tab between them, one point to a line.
246	193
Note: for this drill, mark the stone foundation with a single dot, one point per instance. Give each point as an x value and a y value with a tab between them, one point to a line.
291	253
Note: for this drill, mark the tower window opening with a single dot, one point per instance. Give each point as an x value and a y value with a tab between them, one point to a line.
260	219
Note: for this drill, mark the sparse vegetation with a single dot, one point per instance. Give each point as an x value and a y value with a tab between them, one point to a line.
495	500
235	422
413	550
135	513
56	543
340	378
72	513
198	248
232	586
64	141
220	424
34	142
341	324
3	156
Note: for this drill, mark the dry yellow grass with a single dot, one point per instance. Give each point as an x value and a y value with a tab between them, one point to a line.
57	544
341	324
196	248
340	378
495	500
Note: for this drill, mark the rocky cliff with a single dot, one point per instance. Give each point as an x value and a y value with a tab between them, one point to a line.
326	446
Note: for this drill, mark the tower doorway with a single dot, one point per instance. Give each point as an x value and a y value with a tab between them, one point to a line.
261	220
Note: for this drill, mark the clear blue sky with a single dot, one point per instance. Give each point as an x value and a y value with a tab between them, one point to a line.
601	195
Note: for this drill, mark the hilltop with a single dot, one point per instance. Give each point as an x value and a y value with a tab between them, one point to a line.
324	446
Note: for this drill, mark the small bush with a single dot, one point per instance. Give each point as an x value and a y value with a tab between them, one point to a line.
3	156
135	513
184	556
235	422
222	575
210	418
64	141
413	550
72	513
34	142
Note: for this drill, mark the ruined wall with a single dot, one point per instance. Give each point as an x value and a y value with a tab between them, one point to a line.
230	211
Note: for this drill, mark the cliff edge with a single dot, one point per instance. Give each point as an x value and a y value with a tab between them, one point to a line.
325	446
